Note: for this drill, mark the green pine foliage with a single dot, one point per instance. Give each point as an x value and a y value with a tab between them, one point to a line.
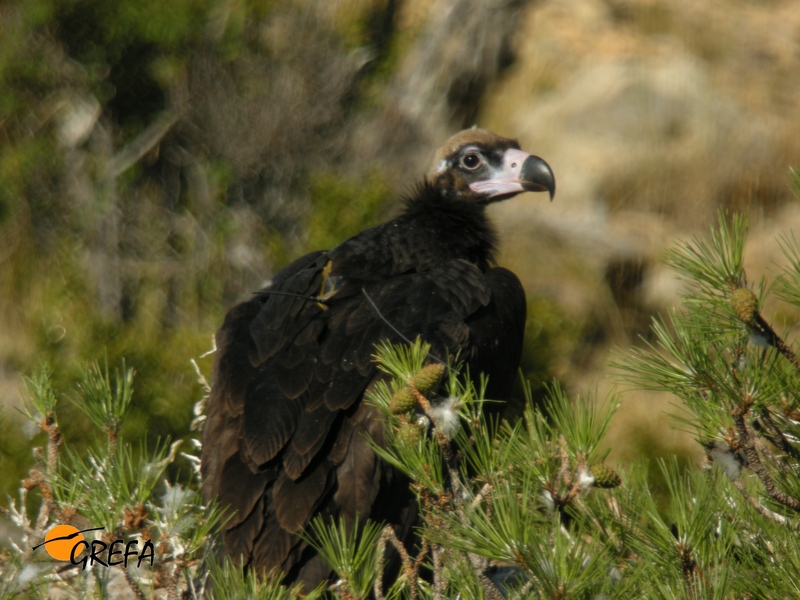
499	497
231	582
115	485
351	551
140	193
105	407
528	508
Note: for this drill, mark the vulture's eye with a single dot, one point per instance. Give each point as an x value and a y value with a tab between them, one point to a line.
471	161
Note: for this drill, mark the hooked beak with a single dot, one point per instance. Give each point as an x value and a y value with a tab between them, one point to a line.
520	172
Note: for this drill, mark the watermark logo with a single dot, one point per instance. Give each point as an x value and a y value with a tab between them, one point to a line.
65	542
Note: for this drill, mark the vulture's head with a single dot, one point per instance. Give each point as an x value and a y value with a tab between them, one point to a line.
477	165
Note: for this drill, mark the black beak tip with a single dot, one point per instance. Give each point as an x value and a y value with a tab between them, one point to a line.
538	176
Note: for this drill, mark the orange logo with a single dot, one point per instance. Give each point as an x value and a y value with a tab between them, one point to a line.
65	542
60	541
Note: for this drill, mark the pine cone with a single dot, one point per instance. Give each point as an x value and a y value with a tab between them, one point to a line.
428	377
402	401
604	476
409	433
745	305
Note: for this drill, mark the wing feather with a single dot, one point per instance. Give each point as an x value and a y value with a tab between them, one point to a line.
269	419
312	432
240	539
496	332
272	547
286	417
295	501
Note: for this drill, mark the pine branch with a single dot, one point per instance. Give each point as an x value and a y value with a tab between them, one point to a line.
766	453
410	568
172	582
439	582
773	339
763	510
489	588
134	585
142	144
747	443
485	493
776	436
745	306
377	586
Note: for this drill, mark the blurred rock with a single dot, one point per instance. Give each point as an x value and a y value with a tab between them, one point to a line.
653	115
648	135
462	49
636	115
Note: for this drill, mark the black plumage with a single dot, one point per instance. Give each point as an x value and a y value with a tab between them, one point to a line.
284	438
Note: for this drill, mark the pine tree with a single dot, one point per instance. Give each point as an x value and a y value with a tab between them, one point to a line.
528	509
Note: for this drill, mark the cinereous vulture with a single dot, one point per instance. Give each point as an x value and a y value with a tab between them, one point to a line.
284	438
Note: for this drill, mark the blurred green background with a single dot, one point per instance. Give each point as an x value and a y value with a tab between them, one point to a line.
160	160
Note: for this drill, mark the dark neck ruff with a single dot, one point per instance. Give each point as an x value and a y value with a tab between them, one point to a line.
456	227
